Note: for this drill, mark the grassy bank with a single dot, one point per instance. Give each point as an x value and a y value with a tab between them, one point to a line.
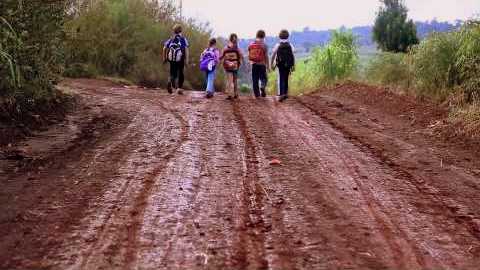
444	67
125	39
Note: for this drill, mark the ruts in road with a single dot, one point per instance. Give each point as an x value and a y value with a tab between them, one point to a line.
139	179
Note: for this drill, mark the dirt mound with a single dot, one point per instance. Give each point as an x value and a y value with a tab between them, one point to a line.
417	115
20	120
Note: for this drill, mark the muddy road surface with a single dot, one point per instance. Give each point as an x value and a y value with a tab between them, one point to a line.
139	179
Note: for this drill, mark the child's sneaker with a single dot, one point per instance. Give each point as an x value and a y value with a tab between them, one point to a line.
209	95
180	91
262	90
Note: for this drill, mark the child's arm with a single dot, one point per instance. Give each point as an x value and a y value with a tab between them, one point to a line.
293	52
222	55
267	60
274	56
241	57
187	56
165	54
217	56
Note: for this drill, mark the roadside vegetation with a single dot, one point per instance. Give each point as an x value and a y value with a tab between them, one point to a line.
31	59
326	65
41	42
125	39
444	67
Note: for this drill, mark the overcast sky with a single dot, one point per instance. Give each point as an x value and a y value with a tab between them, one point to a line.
246	16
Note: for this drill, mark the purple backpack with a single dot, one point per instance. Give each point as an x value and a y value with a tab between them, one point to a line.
208	60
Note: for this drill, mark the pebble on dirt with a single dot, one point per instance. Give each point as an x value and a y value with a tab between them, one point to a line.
275	162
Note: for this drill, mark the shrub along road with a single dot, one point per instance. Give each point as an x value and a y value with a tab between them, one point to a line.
137	179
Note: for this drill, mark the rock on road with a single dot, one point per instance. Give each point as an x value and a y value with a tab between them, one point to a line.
144	180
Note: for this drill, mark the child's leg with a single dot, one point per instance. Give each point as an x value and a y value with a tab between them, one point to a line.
287	75
284	81
181	76
229	88
173	74
206	81
279	83
255	79
235	84
211	82
263	80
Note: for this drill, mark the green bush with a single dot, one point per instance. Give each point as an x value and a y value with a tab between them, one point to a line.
125	38
468	60
391	69
336	61
434	64
440	66
31	54
79	70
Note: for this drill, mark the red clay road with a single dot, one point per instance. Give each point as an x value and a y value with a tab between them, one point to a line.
139	179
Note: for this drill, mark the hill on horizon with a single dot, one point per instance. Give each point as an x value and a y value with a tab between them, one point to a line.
308	39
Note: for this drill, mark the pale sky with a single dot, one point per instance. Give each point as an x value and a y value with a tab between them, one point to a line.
245	17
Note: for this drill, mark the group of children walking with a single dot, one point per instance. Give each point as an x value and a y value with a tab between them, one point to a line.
176	53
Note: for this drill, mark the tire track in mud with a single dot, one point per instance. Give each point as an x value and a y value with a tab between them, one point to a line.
444	206
135	214
187	215
253	200
304	198
118	147
142	199
420	184
380	217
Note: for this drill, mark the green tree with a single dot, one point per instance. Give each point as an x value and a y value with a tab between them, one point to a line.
392	31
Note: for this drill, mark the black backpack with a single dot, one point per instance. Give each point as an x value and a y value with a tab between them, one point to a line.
175	50
285	57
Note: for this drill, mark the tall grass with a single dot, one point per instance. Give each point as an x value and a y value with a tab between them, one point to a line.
9	41
468	60
125	38
30	52
442	65
391	69
434	63
336	61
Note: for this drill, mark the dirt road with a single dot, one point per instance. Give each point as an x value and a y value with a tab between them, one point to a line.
138	179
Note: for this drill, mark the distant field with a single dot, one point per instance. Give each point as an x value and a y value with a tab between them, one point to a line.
366	53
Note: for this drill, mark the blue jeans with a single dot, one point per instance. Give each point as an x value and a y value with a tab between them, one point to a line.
211	82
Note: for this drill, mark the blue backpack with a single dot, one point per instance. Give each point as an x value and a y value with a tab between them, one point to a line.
207	60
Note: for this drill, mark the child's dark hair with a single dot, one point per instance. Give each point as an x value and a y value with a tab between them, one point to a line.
212	42
284	34
261	34
233	38
177	29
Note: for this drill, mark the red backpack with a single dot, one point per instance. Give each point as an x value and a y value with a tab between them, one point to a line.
256	52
